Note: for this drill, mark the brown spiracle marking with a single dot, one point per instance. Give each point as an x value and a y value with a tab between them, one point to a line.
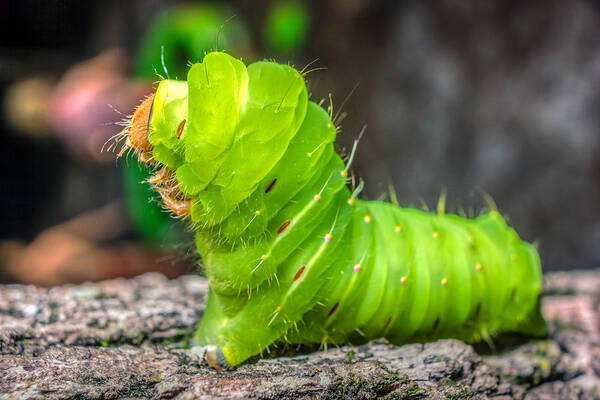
284	227
180	129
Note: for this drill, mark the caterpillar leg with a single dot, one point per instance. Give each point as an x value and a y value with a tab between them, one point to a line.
216	359
238	337
208	334
235	339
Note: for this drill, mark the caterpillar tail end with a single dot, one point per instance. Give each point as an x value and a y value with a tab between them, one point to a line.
534	325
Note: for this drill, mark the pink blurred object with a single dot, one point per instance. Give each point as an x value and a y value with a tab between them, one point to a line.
72	252
91	99
581	310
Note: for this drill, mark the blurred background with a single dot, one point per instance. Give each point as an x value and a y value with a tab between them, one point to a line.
473	98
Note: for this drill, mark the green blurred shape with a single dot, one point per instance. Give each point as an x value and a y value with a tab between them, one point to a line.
186	33
287	25
183	34
150	220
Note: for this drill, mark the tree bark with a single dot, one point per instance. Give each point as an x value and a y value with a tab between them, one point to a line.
130	339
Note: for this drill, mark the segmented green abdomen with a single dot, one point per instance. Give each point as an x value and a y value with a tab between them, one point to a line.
423	276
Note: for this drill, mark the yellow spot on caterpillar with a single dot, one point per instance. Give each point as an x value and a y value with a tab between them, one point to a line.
436	234
444	281
309	155
328	237
357	268
478	267
232	173
275	314
277	111
317	197
330	125
398	228
351	201
344	173
403	280
264	257
257	212
368	218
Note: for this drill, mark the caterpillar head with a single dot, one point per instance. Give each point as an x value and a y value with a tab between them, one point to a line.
215	138
146	134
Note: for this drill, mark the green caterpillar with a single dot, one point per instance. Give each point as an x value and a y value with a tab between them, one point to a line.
291	254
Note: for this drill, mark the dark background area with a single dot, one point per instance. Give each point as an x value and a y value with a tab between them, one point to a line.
496	97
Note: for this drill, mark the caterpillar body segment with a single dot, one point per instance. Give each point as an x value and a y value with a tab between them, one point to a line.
291	255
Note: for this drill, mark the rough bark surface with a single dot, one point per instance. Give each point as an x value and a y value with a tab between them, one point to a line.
129	339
